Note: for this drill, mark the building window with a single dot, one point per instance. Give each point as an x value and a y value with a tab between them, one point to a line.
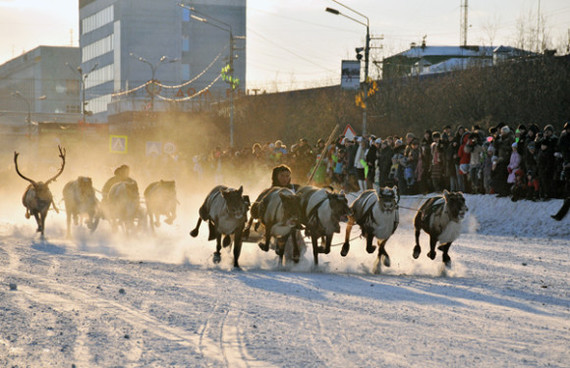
185	15
100	76
185	43
185	72
72	109
71	87
98	104
97	48
97	20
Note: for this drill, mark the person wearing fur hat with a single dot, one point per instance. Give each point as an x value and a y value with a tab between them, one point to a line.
503	146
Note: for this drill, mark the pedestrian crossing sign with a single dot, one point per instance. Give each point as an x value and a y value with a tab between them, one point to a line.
118	143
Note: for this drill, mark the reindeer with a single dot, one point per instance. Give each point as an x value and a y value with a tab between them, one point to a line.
38	198
279	210
441	218
122	206
160	199
322	211
80	200
377	215
225	209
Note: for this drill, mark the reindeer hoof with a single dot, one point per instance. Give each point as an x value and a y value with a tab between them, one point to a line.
227	241
264	247
371	249
387	261
447	260
194	233
217	257
27	215
417	251
344	250
431	254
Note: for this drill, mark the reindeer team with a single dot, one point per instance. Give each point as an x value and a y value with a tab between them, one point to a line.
282	213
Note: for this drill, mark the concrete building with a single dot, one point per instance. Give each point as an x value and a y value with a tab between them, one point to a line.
426	60
38	87
127	43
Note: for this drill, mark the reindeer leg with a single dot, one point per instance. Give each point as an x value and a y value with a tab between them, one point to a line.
315	242
369	247
237	246
417	248
328	240
296	249
432	243
445	248
194	233
227	241
265	246
217	255
68	233
213	234
346	245
382	252
247	228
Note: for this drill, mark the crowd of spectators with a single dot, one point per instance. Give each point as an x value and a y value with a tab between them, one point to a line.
523	163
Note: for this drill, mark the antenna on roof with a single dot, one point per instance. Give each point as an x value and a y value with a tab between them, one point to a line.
463	22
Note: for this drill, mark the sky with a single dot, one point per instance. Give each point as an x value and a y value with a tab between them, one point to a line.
295	44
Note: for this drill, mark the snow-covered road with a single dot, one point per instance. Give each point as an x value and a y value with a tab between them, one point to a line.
104	301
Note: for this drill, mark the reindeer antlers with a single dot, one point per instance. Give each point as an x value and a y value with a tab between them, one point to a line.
62	156
16	154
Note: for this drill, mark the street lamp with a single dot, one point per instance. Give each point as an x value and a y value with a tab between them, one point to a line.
229	78
366	53
82	78
153	67
29	106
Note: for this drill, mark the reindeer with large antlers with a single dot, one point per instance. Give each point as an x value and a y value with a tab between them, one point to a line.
38	198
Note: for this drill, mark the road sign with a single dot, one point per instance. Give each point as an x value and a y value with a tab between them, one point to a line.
349	132
169	148
153	148
118	143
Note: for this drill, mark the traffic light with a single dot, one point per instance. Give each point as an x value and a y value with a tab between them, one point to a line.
358	53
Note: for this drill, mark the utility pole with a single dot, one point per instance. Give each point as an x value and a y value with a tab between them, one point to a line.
228	71
366	54
463	22
82	79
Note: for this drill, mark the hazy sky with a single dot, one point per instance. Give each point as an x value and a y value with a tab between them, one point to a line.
296	44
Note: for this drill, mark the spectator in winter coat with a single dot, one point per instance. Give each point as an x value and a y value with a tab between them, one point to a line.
564	150
437	154
547	163
371	161
464	154
514	164
503	152
384	163
475	164
531	165
360	163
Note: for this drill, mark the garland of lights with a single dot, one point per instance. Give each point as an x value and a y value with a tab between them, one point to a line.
117	94
192	96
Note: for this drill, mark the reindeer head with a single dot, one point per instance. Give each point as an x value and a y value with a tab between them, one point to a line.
388	199
292	209
235	202
455	203
85	186
41	188
339	206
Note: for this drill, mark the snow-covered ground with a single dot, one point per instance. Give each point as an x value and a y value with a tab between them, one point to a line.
101	300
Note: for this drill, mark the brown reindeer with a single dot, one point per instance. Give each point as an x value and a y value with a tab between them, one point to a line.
38	198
